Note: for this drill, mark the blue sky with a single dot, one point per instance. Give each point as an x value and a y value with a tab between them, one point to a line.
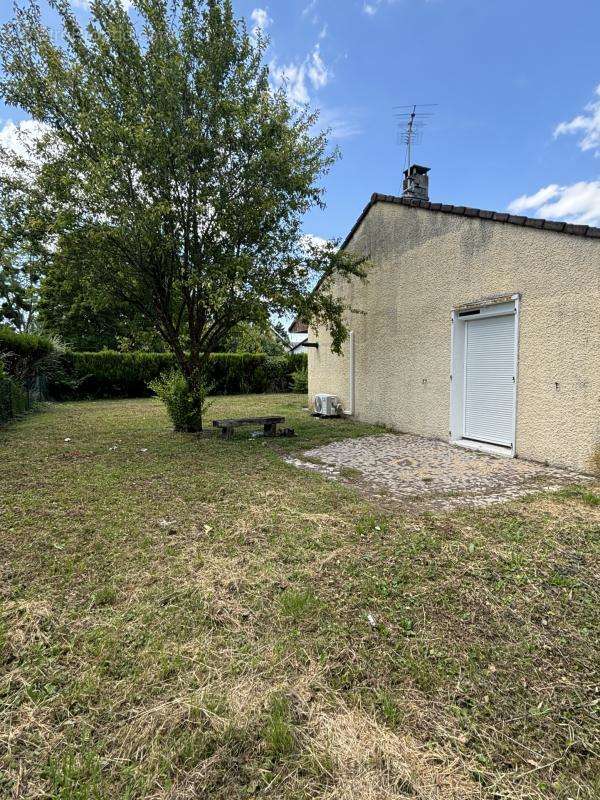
516	82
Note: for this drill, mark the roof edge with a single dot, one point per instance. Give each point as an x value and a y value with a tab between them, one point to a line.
554	226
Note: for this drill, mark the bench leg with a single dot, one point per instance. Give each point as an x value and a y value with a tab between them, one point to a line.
227	433
270	429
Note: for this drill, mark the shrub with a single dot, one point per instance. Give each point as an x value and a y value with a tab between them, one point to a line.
300	380
184	406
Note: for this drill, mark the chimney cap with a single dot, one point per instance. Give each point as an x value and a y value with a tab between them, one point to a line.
416	169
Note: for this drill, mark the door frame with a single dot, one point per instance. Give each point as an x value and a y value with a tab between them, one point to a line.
507	304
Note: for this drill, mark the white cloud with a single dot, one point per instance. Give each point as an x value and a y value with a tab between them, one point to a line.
342	123
261	19
586	125
292	77
301	79
311	241
317	71
578	203
298	77
24	147
537	200
20	140
372	7
309	8
17	138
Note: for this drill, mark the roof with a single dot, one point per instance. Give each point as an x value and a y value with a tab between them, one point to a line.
298	326
476	213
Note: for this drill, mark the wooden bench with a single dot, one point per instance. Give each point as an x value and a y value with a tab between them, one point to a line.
229	425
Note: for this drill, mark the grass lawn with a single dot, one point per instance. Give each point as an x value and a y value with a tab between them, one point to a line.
189	618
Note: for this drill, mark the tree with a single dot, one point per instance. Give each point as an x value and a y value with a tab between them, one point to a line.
18	292
86	319
248	337
21	257
187	176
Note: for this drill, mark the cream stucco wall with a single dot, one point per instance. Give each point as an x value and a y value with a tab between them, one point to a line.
423	264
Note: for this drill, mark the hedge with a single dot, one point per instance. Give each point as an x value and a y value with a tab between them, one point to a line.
21	382
13	398
112	374
108	373
23	345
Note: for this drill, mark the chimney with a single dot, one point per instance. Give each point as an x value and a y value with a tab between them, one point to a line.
416	183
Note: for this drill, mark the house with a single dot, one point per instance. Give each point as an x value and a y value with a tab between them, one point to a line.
298	333
478	327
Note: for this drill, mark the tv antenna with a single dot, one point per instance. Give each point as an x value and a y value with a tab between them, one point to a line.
411	122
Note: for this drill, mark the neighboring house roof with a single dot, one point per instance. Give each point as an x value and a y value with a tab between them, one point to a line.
478	213
298	326
279	336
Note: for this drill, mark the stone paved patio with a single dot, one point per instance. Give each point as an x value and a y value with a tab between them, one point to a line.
430	474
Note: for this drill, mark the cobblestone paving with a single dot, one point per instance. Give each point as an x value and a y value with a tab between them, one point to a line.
430	474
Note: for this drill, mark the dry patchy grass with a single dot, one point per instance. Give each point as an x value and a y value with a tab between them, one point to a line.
185	617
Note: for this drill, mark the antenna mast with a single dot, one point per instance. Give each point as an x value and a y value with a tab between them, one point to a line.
410	130
411	123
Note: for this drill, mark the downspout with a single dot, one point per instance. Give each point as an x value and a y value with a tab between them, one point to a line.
350	409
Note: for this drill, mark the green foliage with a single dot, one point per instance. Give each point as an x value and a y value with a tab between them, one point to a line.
18	292
251	338
109	374
241	373
13	398
85	319
185	405
21	258
173	169
300	380
74	776
27	346
26	362
112	374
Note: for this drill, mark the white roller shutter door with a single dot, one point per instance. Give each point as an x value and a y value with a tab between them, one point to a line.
489	392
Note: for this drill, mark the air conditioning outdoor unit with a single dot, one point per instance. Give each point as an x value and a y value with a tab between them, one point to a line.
327	405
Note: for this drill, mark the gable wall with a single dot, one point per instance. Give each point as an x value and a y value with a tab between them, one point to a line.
424	264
